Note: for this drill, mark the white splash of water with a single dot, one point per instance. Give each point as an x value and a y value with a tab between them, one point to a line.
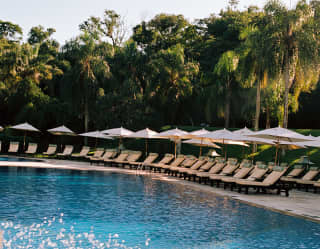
41	235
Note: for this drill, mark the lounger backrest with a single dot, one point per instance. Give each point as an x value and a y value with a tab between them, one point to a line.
271	165
166	159
312	173
297	170
98	152
51	149
244	171
219	160
189	161
232	165
217	168
84	151
68	150
198	164
245	162
258	172
151	157
179	159
14	147
32	148
275	175
123	156
208	165
108	154
134	156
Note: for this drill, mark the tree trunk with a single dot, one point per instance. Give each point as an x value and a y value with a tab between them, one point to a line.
291	59
268	125
227	106
257	117
286	93
86	118
258	100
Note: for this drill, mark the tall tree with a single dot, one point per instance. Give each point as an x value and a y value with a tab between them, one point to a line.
293	43
225	69
89	67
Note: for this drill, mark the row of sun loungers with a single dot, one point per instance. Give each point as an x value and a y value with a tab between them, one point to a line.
216	172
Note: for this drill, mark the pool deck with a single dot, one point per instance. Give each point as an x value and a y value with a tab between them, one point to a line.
299	203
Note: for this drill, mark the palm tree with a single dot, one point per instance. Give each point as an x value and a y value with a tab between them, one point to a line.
89	68
291	36
225	69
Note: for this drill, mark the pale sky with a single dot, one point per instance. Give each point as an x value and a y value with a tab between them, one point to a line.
66	15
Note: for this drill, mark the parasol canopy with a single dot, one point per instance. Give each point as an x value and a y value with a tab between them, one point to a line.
95	134
25	127
118	132
145	133
62	130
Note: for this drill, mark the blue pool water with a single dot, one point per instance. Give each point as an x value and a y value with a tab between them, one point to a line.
43	208
18	159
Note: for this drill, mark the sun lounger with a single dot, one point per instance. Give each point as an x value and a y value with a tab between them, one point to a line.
104	155
121	157
52	148
204	168
83	153
229	169
185	172
149	159
132	157
13	147
258	172
186	164
67	151
218	166
245	169
108	155
97	154
165	160
270	182
176	162
307	180
293	174
32	148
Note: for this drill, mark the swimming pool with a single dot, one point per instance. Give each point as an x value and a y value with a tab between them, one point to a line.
72	209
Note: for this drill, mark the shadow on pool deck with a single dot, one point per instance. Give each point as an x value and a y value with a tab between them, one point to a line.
299	203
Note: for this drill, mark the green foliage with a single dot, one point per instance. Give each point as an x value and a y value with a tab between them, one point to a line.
212	71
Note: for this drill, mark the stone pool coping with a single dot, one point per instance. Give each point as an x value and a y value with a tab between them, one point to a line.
300	204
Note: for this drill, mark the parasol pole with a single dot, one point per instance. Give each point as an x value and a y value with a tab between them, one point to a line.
275	162
175	149
225	155
200	148
146	147
24	140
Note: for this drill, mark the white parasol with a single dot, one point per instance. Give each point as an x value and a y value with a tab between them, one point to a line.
25	127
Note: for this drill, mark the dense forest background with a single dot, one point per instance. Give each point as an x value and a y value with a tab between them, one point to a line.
253	67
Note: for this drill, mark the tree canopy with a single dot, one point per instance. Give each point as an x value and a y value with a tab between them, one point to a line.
253	67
